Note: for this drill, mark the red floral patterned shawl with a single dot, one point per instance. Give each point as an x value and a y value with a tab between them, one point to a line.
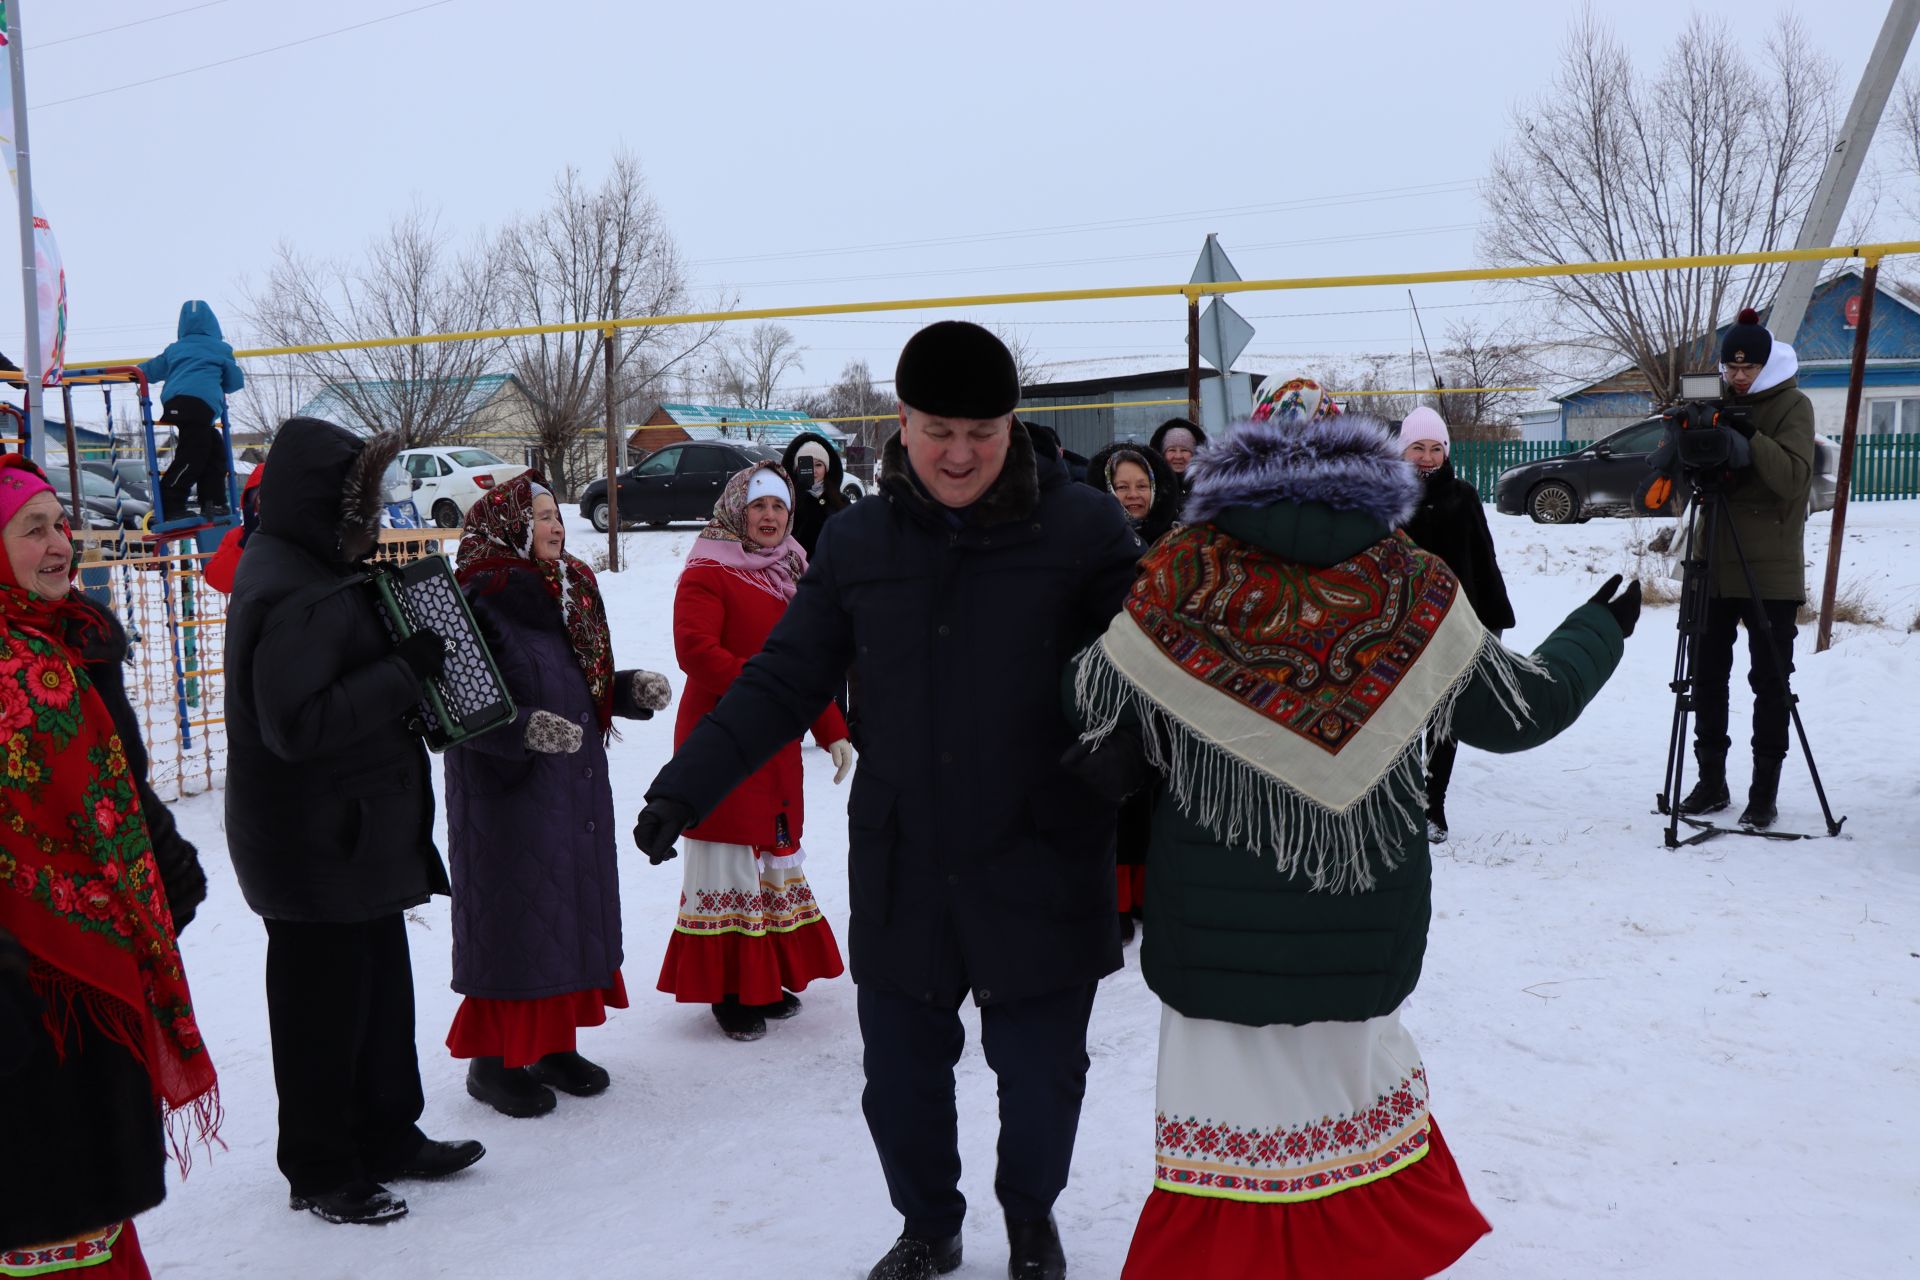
1286	703
78	884
499	541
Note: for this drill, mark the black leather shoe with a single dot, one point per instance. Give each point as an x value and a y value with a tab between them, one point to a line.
780	1010
912	1258
508	1090
1033	1251
362	1201
571	1073
433	1160
739	1021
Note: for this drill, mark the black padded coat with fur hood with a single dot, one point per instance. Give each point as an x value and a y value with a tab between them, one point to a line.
329	802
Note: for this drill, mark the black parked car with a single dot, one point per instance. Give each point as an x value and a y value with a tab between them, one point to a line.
1599	480
679	482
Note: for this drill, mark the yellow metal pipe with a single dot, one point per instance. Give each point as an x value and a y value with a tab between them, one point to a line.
1870	252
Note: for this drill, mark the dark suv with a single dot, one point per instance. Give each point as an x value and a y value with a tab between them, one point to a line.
679	482
1599	480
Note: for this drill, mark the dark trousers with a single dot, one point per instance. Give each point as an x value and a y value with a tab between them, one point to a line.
1441	753
1038	1050
198	462
1713	671
340	1006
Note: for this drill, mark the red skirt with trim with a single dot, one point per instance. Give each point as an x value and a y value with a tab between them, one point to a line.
706	970
521	1032
113	1254
1414	1224
1131	882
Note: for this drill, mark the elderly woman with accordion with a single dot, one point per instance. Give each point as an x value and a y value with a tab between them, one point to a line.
530	830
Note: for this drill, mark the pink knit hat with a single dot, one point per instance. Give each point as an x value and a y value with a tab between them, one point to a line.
1425	424
20	480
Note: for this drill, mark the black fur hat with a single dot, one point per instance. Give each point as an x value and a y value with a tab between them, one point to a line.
954	369
1747	340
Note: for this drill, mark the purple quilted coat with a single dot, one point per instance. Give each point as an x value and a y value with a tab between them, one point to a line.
530	837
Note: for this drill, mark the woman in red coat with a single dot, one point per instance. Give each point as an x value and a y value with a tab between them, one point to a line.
749	933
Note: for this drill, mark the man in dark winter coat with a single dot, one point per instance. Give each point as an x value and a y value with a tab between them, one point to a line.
976	864
1766	506
818	491
330	824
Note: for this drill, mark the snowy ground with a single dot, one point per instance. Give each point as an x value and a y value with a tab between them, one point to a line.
1649	1062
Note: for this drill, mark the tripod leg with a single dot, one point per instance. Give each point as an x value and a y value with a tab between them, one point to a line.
1763	629
1686	655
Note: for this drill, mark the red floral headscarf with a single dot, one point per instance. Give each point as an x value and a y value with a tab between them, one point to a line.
79	886
499	541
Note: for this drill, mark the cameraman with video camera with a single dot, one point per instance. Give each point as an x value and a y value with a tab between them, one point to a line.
1766	507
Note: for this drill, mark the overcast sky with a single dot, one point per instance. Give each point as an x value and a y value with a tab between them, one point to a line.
814	153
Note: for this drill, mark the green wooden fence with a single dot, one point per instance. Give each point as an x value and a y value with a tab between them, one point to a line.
1885	468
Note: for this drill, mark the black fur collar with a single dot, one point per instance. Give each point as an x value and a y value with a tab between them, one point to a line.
1012	497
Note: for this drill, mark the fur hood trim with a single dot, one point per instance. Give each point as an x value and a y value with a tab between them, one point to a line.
1349	463
363	496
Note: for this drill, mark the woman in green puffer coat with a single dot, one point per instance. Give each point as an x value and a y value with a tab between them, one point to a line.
1274	675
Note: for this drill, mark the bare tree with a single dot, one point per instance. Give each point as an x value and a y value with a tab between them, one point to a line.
855	396
1714	154
277	388
1476	358
411	281
750	368
1027	363
591	254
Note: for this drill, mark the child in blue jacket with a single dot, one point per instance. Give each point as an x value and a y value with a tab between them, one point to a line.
199	372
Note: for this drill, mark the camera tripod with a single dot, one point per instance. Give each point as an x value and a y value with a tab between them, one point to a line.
1706	510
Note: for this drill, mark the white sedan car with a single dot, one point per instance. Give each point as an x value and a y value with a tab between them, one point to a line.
448	480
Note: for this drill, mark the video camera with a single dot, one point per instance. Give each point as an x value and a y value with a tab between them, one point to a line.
1703	445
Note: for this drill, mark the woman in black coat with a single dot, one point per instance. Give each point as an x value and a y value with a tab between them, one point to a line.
1451	522
1149	493
819	490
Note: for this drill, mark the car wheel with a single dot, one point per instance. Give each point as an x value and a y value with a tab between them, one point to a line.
597	516
1553	503
446	514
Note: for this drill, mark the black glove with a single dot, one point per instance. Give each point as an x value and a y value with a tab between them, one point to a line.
424	652
658	826
1741	422
1116	768
1624	607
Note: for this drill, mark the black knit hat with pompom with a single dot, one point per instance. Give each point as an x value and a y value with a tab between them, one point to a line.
1747	341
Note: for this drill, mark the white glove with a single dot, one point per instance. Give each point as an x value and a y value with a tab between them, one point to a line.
551	735
842	753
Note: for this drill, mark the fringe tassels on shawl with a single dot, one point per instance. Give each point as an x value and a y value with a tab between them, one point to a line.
1241	804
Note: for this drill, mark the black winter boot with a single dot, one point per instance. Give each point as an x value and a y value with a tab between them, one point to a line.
571	1073
1762	797
738	1021
508	1090
787	1006
1033	1251
912	1258
1710	794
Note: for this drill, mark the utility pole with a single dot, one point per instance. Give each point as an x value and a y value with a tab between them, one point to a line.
35	368
1822	222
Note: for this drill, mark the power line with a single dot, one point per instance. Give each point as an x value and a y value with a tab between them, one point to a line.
242	57
1081	262
1145	220
88	35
